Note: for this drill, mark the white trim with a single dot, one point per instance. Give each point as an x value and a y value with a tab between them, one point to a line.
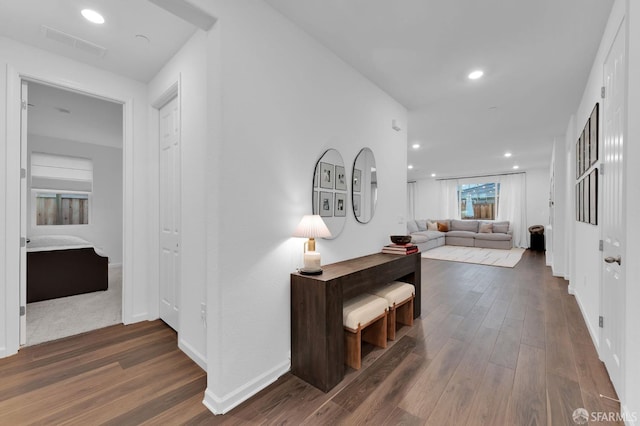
11	279
593	331
196	356
231	400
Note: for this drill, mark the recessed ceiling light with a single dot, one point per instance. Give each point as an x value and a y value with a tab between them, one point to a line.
415	146
516	167
474	75
433	175
409	167
507	154
92	16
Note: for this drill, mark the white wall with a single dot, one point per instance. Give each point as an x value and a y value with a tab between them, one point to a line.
631	402
428	199
21	60
537	196
277	101
587	265
583	239
189	67
104	230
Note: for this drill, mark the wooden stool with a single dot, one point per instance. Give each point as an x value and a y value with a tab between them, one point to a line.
364	318
400	297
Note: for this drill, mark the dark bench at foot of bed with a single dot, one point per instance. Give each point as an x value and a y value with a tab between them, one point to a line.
61	273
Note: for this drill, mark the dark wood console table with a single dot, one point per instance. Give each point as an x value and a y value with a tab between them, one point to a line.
317	337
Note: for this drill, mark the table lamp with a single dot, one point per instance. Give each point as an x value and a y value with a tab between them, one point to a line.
312	227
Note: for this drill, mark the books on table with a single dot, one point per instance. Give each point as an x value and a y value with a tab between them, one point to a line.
400	249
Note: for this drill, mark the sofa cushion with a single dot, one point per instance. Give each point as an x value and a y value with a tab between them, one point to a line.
432	226
502	227
429	235
466	234
417	238
493	236
412	226
464	225
422	224
485	228
443	227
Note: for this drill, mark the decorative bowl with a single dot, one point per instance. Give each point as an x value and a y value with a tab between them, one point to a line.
400	239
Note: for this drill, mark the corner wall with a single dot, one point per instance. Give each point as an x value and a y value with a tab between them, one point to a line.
277	100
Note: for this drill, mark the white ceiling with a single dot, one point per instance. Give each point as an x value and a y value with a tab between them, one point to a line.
72	116
536	55
126	54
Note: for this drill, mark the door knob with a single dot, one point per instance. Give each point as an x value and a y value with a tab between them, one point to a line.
611	259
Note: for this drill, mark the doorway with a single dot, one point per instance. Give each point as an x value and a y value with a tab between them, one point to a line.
71	193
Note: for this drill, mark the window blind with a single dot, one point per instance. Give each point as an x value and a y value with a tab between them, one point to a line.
61	172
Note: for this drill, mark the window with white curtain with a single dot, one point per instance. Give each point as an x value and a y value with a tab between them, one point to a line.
478	200
61	187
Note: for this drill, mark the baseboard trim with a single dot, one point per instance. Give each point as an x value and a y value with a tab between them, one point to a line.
593	332
136	318
4	353
196	356
231	400
630	417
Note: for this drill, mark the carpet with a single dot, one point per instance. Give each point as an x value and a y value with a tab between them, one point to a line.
482	256
67	316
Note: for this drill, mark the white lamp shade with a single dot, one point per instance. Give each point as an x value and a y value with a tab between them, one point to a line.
312	226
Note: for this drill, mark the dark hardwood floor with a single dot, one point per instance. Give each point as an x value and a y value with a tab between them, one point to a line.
494	346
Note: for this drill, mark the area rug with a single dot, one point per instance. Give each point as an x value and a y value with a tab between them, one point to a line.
67	316
483	256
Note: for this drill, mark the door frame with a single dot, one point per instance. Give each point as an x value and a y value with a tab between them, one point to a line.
13	192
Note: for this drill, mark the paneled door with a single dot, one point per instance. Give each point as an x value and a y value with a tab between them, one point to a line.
170	221
613	224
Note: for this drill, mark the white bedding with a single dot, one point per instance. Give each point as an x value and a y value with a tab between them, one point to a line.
59	242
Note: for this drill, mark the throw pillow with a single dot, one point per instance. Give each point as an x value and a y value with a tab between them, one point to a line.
501	227
432	226
443	227
412	226
486	228
422	224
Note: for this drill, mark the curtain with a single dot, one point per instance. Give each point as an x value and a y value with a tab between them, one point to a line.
512	206
411	200
449	203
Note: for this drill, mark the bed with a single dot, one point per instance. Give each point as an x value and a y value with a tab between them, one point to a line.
61	265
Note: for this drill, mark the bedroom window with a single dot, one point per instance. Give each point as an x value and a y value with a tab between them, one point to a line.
62	208
61	186
478	201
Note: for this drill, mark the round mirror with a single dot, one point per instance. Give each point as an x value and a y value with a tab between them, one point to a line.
364	187
330	191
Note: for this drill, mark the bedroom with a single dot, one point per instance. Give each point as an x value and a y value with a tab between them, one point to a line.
74	205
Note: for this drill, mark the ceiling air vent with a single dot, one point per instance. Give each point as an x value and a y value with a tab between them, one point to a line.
72	41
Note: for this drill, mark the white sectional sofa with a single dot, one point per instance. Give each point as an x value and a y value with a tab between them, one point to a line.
468	233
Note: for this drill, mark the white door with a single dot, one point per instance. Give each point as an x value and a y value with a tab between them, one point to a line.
24	95
170	223
613	225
